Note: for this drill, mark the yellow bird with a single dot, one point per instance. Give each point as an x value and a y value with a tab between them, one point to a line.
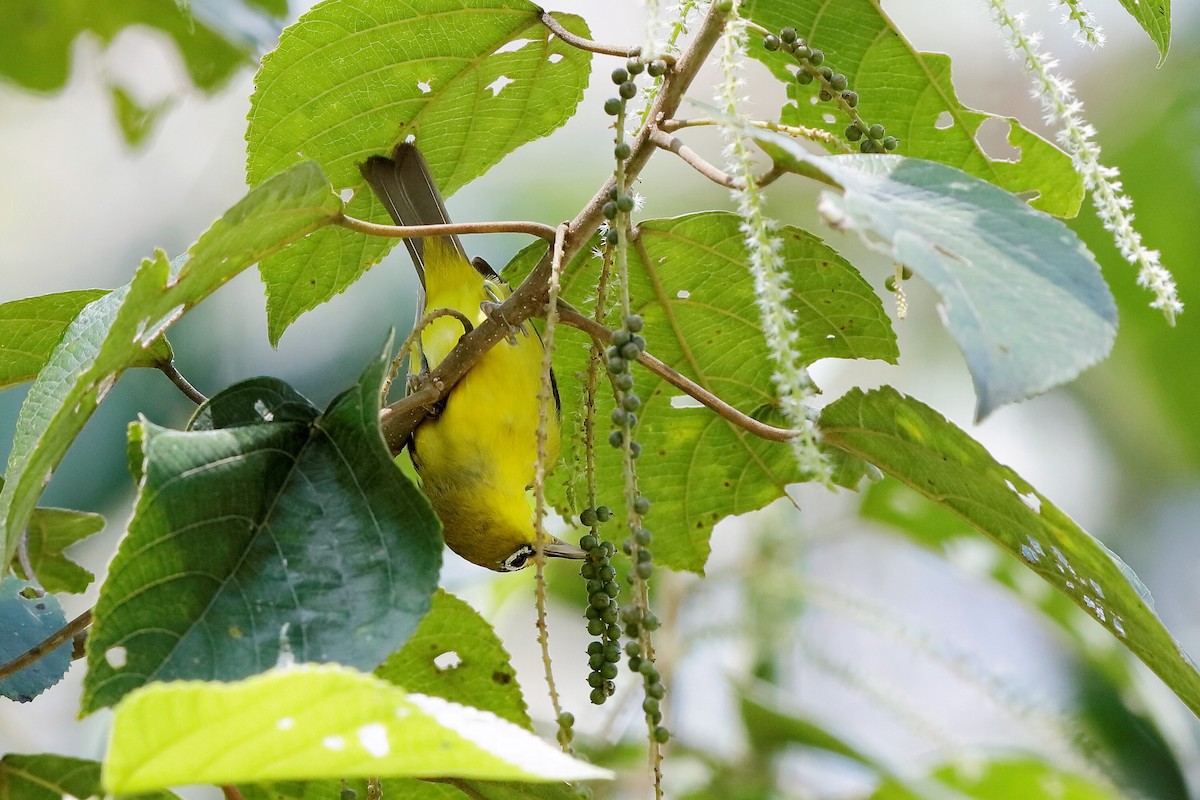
476	458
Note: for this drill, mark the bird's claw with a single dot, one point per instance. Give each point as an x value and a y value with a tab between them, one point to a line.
491	310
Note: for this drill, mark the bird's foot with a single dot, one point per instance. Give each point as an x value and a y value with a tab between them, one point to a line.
492	311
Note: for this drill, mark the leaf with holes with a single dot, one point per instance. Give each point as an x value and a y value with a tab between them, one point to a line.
1155	18
51	531
27	621
916	445
289	534
1021	294
456	655
312	721
689	281
53	777
116	330
30	329
351	79
909	92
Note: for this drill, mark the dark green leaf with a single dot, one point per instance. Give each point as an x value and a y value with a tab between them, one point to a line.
1021	294
910	92
456	655
115	331
24	623
915	444
135	120
294	538
54	777
690	282
51	531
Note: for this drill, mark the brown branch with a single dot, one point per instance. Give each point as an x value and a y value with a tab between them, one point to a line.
401	418
586	44
176	377
675	145
538	229
601	334
231	792
46	646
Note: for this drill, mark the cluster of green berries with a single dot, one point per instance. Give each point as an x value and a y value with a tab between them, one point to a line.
627	345
652	683
873	138
889	282
602	610
624	78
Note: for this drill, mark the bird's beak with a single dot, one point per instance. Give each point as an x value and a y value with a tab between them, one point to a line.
557	548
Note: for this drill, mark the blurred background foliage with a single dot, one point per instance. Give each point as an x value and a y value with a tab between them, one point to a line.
869	647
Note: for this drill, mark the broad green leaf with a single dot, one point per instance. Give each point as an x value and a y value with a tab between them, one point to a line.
315	722
406	788
321	266
771	728
690	282
30	329
39	35
456	655
916	445
51	531
1155	18
24	623
1001	780
53	777
351	79
115	331
291	536
135	120
1021	294
910	93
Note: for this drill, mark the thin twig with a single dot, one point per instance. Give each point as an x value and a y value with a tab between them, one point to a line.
586	44
538	229
399	419
569	316
545	401
47	645
413	337
693	159
176	377
231	792
796	131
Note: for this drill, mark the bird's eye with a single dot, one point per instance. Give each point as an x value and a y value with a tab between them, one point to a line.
518	559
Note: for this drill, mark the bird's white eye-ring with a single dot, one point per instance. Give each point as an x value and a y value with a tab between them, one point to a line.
517	560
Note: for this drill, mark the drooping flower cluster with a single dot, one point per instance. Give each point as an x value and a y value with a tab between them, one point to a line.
1087	32
1063	109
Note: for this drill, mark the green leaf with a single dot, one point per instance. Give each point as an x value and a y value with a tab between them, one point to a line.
770	728
314	722
909	92
24	623
456	655
39	36
321	266
915	444
354	78
114	331
1021	294
406	788
1000	780
51	531
135	120
54	777
350	79
1155	18
31	328
289	536
689	281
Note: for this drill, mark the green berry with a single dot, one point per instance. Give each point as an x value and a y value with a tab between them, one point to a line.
650	706
619	416
617	365
876	131
619	76
771	42
801	50
612	236
588	570
566	719
635	449
656	68
890	143
595	627
724	6
641	505
645	569
613	106
627	547
631	615
595	680
612	588
596	660
635	66
631	402
608	671
628	90
633	648
598	697
609	615
839	82
608	571
631	351
853	133
788	35
612	653
588	518
816	57
826	73
824	96
613	193
851	99
889	283
651	622
625	201
906	273
610	209
867	146
656	690
634	323
621	337
603	513
648	670
594	647
635	662
622	150
599	601
624	382
804	77
643	537
661	735
348	794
